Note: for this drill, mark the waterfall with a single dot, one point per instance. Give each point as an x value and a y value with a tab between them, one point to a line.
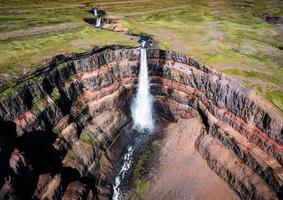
95	12
98	22
143	121
142	104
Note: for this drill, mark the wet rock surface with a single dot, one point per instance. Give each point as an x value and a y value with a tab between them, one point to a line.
61	125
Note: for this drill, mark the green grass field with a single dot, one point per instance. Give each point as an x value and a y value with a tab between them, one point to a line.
227	35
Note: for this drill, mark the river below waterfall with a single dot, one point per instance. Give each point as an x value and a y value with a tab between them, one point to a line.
124	180
173	169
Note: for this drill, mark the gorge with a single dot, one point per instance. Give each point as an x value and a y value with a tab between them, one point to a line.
66	126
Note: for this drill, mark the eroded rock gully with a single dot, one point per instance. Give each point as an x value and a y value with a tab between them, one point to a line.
60	126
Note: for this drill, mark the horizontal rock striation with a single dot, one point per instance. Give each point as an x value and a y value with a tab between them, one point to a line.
62	125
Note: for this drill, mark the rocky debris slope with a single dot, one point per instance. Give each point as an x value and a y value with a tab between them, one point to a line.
60	126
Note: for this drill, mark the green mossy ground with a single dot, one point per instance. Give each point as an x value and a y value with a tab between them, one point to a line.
86	138
29	51
140	183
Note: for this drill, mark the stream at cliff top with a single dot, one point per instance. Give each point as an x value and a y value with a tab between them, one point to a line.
141	109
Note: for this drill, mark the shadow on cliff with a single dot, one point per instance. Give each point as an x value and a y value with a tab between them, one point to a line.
38	148
39	157
8	137
90	21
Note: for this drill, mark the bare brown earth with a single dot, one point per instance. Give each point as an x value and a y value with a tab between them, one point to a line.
181	172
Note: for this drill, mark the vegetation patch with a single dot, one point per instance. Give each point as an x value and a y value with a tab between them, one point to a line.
245	73
55	94
276	97
85	137
38	105
55	130
29	51
232	72
141	184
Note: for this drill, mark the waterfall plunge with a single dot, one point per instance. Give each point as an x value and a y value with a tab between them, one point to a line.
142	104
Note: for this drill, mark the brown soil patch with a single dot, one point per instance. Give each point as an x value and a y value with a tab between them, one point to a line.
181	172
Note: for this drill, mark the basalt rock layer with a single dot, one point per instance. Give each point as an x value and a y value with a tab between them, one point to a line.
61	127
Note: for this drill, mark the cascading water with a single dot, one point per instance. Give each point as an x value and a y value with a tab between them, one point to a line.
143	121
142	104
98	22
127	162
95	12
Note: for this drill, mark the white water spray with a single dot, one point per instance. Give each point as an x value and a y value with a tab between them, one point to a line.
142	104
98	22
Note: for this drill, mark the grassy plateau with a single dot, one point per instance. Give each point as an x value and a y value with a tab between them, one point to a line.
232	36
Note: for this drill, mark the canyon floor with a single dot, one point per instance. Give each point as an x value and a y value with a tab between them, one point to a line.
171	168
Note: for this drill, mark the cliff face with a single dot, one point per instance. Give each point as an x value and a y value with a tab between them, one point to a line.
61	124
